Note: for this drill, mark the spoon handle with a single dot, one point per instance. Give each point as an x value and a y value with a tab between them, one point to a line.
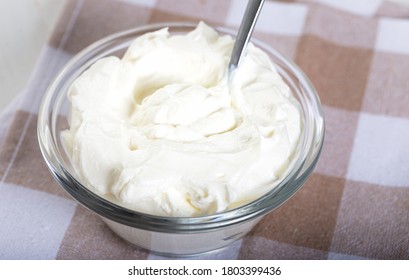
246	28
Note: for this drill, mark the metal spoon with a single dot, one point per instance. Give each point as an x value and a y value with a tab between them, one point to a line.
245	30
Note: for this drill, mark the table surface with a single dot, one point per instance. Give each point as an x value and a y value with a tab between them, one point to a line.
353	206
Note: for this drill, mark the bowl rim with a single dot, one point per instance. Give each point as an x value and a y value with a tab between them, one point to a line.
272	199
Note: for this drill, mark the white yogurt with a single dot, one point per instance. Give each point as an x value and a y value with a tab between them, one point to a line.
159	131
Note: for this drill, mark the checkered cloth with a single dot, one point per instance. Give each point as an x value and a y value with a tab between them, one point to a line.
354	206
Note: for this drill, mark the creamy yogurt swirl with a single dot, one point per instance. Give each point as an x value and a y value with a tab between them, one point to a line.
160	131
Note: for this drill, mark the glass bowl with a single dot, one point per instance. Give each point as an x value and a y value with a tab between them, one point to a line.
173	236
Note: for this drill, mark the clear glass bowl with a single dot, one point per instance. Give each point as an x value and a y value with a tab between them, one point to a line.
169	235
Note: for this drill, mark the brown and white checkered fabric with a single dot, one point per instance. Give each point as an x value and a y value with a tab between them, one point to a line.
354	206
